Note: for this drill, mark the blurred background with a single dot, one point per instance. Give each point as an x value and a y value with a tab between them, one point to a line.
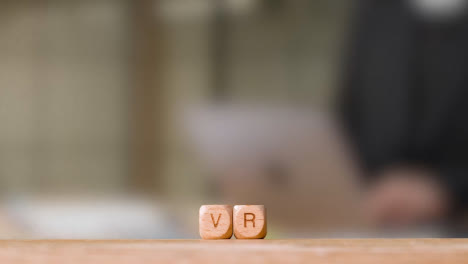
119	118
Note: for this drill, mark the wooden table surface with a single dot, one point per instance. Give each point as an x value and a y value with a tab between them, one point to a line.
235	251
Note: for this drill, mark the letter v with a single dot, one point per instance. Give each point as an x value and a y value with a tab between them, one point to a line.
217	222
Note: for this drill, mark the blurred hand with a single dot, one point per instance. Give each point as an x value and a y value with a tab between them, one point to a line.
405	197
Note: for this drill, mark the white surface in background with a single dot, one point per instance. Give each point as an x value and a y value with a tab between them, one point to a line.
440	8
90	219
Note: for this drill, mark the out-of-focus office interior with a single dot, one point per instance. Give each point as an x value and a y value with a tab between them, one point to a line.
119	118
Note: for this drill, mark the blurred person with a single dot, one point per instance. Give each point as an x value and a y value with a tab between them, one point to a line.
404	108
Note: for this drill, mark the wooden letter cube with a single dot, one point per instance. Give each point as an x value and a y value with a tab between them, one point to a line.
250	221
215	221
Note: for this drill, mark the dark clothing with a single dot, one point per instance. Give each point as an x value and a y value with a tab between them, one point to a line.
405	99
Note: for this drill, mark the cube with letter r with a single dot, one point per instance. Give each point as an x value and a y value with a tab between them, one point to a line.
250	221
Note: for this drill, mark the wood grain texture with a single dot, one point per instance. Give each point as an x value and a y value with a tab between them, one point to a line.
215	221
250	221
235	251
